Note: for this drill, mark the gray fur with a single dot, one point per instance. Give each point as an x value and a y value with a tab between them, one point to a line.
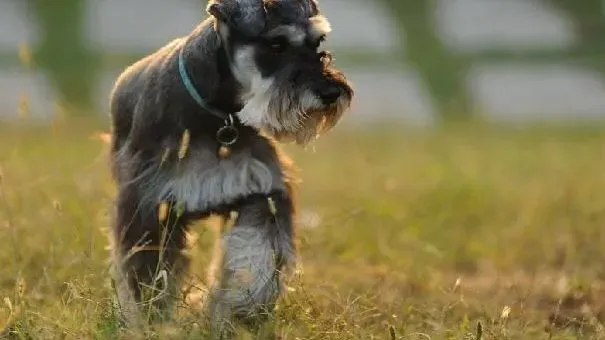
200	181
249	285
250	282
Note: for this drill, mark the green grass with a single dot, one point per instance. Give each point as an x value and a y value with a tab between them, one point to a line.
423	235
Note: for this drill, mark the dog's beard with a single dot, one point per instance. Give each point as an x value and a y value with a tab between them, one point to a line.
310	116
288	115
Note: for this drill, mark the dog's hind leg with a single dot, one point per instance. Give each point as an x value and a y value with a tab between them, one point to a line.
256	248
147	258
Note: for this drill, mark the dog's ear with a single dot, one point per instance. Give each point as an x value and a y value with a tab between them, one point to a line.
314	7
309	7
245	16
221	9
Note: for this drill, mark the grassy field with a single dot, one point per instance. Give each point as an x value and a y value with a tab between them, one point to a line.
463	233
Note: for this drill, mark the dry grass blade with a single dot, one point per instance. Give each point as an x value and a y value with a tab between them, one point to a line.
184	146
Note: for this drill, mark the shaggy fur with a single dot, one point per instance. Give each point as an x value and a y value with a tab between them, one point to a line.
259	61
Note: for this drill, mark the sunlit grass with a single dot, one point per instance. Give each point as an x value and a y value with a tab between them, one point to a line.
406	235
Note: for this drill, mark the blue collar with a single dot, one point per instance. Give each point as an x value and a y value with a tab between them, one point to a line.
193	92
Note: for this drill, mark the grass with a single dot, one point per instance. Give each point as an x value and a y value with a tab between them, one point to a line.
462	233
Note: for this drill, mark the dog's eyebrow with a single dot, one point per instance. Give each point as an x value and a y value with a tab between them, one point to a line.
295	34
318	26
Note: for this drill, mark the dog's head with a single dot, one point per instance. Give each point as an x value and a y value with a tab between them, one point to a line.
289	87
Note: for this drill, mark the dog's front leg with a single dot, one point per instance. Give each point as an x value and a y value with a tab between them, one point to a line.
257	247
147	257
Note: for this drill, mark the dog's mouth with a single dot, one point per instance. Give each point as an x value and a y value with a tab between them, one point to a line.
312	121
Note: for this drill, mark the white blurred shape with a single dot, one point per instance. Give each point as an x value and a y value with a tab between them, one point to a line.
35	88
473	25
518	92
15	26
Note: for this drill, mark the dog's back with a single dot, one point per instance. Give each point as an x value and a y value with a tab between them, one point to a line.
132	87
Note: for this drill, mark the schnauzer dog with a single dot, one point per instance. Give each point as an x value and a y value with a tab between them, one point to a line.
194	130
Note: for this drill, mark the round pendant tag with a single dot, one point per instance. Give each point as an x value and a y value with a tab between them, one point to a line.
224	151
227	135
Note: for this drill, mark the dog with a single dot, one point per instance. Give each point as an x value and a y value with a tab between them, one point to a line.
195	128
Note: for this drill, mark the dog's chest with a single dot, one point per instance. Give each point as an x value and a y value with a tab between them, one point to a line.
201	180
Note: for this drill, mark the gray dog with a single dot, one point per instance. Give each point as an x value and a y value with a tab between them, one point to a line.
194	126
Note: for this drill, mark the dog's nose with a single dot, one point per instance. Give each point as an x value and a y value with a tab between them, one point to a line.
329	94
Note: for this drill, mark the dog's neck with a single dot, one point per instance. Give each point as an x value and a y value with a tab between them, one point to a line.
207	66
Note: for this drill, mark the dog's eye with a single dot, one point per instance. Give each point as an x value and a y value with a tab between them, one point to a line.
320	40
278	44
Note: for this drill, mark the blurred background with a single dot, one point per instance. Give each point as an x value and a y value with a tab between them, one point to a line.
433	232
417	61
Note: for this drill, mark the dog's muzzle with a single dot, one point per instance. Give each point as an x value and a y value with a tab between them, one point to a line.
329	93
331	87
